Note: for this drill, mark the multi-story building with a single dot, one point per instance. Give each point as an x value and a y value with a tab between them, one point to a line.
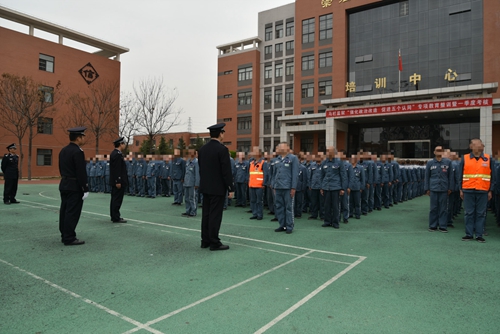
394	75
50	63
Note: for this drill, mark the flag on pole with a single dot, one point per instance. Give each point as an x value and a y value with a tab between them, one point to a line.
400	61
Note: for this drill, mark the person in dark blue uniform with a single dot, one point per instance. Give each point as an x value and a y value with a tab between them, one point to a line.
73	186
333	185
118	180
10	171
216	179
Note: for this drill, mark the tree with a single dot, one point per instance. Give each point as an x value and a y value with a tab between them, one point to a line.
146	147
97	108
22	103
163	147
155	108
199	142
181	145
128	118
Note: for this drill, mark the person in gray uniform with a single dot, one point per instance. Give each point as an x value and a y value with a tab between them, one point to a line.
191	184
333	185
177	174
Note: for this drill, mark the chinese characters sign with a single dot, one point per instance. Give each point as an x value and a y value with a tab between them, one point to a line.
411	107
88	73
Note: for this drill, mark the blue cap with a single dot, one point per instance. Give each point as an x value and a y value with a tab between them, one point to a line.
11	146
119	140
78	130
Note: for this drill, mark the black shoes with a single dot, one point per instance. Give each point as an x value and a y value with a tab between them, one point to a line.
75	242
311	218
121	220
253	217
326	225
219	247
280	229
480	239
205	244
467	238
274	219
443	230
14	202
432	229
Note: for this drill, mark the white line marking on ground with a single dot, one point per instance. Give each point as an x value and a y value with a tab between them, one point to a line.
309	297
218	293
88	301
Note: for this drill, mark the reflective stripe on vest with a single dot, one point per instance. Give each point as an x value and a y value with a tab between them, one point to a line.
476	175
256	179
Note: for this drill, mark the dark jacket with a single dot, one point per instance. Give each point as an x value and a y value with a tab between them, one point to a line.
73	169
10	167
215	169
117	169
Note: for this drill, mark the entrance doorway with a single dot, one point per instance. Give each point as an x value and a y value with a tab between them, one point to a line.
410	149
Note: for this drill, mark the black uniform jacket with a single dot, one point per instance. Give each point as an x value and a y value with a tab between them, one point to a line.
73	169
117	169
10	167
215	169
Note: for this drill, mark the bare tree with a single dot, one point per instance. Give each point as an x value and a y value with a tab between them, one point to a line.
155	108
23	102
97	108
128	117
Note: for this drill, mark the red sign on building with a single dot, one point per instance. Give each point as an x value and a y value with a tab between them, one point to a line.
410	107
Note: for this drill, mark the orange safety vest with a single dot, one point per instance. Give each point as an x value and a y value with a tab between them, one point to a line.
477	173
256	179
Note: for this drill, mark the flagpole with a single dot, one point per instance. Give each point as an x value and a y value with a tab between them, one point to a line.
399	70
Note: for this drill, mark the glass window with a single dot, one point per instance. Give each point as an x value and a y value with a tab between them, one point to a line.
325	87
269	33
267	122
245	74
279	70
290	45
46	94
245	123
308	63
290	28
308	31
278	95
268	97
279	30
43	157
268	72
244	98
44	125
289	68
325	26
279	47
289	94
268	49
46	63
308	90
325	59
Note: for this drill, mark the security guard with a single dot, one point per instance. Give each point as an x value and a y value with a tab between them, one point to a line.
257	174
477	184
10	169
216	180
73	186
438	184
118	180
333	185
191	184
285	174
177	174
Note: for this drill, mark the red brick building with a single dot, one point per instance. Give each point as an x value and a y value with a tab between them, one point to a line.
172	140
48	63
327	73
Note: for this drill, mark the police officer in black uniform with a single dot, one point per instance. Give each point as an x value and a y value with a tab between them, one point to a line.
10	171
73	187
215	179
118	180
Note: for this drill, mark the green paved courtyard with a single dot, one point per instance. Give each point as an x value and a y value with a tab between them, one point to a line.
384	273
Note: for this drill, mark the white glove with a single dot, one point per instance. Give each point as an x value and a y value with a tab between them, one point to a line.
85	195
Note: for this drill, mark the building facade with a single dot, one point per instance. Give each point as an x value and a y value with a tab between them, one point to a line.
52	63
401	76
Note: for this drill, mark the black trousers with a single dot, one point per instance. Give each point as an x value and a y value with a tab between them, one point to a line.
69	214
116	202
10	190
211	218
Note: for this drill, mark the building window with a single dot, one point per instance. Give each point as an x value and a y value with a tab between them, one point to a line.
308	63
308	31
404	8
245	123
44	125
269	33
267	122
290	27
227	119
289	68
268	97
228	96
276	122
46	94
325	59
308	90
228	72
268	50
289	94
43	157
279	30
278	47
306	143
278	95
278	69
325	88
268	72
245	74
46	63
137	143
290	45
325	26
244	98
